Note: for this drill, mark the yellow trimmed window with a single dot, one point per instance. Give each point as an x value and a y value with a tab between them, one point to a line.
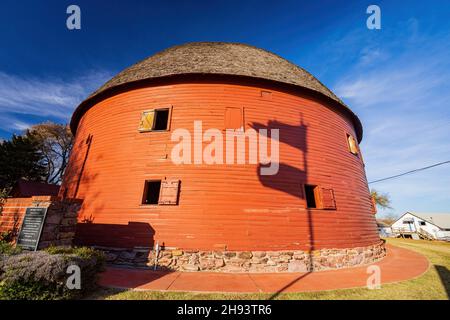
155	120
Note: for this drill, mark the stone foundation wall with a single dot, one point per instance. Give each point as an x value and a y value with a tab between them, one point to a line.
60	222
246	261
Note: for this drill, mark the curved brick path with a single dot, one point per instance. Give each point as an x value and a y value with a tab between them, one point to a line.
399	264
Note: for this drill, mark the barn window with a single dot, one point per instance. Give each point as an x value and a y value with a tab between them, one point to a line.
319	198
352	145
266	94
155	120
234	118
161	119
311	195
162	192
422	223
152	190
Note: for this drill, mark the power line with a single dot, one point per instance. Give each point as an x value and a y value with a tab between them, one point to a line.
412	171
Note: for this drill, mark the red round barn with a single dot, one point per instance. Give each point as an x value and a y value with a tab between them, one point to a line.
134	193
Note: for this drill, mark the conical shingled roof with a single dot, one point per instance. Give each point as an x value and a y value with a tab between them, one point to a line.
224	59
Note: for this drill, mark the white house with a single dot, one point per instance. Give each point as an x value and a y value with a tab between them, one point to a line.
384	230
436	225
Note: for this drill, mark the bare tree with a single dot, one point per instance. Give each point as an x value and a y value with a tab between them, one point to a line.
382	200
55	143
389	219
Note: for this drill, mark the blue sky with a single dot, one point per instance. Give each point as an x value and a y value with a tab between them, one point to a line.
396	79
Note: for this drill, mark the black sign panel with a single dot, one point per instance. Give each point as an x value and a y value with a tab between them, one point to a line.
31	229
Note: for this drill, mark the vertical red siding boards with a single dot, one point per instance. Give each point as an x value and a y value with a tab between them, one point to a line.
221	204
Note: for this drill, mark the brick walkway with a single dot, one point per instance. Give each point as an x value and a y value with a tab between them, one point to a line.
399	264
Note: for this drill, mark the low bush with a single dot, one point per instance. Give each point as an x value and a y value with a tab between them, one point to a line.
7	248
43	275
83	252
7	236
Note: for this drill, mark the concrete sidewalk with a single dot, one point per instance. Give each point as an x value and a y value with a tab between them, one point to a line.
399	264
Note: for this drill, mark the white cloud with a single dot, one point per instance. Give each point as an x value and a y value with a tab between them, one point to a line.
20	125
41	97
404	102
405	85
371	55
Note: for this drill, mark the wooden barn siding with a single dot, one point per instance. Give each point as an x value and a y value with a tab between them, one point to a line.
12	213
219	204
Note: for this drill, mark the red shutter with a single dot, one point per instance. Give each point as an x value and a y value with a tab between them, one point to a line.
169	192
233	118
328	201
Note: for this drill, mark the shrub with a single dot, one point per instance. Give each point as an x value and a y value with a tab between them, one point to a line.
83	252
7	248
97	257
42	275
6	236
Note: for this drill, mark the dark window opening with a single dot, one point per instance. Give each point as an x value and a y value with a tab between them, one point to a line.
161	119
266	94
151	192
422	223
310	194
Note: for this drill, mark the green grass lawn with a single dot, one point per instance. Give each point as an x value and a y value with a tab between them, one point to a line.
432	285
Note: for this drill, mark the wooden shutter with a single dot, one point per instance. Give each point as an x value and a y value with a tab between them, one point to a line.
233	118
147	120
353	147
328	201
169	192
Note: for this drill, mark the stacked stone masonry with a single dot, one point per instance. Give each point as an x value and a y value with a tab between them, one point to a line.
60	222
246	261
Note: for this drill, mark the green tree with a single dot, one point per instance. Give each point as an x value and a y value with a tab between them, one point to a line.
20	158
382	200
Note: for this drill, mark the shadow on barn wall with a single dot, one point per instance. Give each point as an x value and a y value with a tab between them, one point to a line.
133	234
295	136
